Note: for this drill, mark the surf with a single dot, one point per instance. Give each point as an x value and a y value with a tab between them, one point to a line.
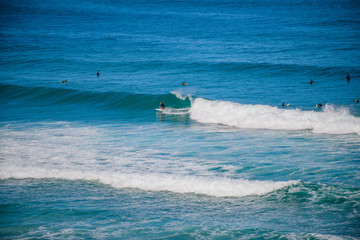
331	120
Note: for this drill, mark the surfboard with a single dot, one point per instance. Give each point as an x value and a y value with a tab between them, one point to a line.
159	109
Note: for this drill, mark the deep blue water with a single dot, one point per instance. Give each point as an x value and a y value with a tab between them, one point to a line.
92	159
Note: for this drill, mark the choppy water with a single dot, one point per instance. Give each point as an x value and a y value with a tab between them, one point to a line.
91	158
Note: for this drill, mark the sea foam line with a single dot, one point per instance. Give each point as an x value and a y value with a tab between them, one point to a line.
212	186
331	120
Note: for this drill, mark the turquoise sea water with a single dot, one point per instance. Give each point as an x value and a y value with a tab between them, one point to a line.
92	159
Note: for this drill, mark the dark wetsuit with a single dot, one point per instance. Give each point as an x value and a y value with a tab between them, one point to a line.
162	106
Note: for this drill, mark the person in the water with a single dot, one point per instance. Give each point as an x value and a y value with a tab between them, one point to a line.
319	105
98	73
357	100
162	106
64	81
348	77
311	81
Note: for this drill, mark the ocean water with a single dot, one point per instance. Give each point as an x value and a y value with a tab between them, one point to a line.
92	159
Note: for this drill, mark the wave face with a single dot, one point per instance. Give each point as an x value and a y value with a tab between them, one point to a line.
102	100
331	120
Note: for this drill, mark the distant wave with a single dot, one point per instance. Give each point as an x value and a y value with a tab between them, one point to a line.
212	186
241	66
331	120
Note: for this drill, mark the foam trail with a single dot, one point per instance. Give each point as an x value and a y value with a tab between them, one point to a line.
176	111
218	187
330	120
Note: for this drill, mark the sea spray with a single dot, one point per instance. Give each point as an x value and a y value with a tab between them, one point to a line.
182	95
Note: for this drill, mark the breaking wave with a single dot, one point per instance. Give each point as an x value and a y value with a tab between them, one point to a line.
331	120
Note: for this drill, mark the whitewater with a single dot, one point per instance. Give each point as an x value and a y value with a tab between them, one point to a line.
330	120
155	182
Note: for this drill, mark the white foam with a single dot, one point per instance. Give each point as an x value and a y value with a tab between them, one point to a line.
88	147
331	120
214	186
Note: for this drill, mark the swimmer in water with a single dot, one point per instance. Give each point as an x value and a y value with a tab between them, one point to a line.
311	81
348	77
98	73
64	81
357	100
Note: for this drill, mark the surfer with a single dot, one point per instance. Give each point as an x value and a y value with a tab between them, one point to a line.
348	77
357	100
311	82
98	73
162	106
319	105
64	81
283	105
184	84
